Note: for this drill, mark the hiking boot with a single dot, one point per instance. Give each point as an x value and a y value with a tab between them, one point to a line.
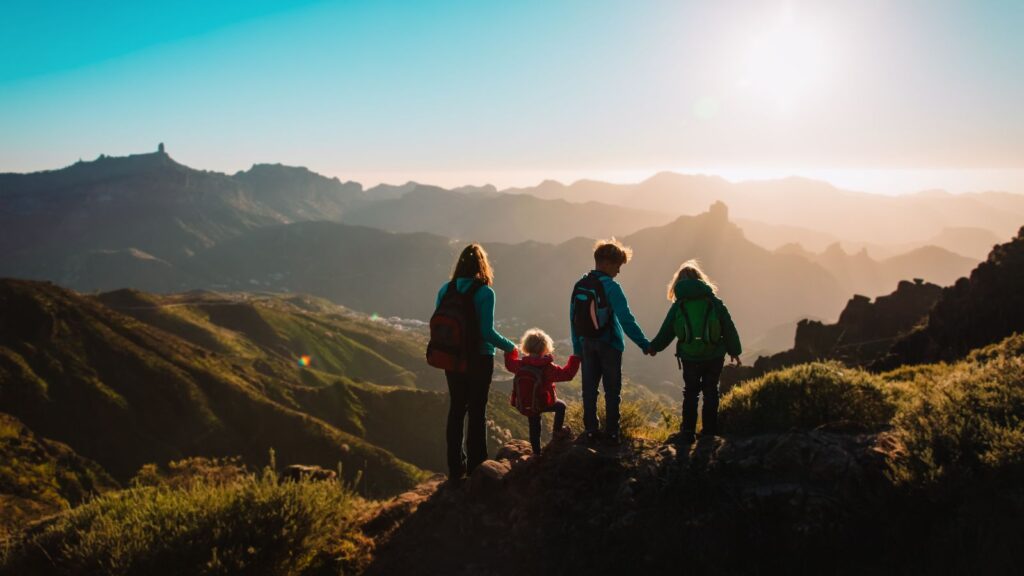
562	433
590	437
682	438
612	439
453	483
708	433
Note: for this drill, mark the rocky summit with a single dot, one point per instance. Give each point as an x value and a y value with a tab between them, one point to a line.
721	505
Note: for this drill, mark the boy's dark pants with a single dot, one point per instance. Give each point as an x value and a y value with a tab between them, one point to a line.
467	393
601	362
701	378
559	409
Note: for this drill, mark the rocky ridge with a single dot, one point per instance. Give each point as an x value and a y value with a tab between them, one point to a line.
724	505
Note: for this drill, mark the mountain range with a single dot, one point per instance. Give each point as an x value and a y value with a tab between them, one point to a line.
804	204
150	223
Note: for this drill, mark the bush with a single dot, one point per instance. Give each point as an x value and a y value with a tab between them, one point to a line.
252	525
805	397
963	421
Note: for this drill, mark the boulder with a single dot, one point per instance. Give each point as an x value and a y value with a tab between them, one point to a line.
488	477
297	472
514	451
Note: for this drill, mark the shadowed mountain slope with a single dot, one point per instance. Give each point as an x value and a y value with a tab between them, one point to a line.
974	312
863	334
39	477
124	393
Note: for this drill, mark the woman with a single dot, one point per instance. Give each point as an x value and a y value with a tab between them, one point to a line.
701	322
467	391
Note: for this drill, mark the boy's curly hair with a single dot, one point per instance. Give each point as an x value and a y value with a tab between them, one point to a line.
611	251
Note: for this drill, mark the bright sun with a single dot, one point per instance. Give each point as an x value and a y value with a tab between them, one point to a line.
786	64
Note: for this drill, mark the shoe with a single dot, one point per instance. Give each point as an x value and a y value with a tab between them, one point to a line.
453	483
682	438
591	436
562	433
612	439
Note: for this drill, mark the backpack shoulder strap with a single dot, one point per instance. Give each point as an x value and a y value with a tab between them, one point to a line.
687	326
602	298
477	285
707	319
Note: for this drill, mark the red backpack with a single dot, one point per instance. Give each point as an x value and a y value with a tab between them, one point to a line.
529	395
454	330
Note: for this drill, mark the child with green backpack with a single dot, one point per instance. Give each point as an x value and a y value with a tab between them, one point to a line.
705	332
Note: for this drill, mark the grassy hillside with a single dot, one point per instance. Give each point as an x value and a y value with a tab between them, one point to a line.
39	477
252	327
125	393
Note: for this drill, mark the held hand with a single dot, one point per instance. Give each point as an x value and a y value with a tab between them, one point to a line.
735	360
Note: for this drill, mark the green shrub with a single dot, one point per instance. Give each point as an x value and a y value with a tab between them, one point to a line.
965	420
251	525
805	397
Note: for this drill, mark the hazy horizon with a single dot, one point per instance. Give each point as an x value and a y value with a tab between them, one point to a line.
887	182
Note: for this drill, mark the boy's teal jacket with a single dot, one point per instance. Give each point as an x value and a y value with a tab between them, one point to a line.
484	302
622	320
689	288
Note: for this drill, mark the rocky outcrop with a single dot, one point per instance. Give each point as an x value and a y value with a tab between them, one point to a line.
974	312
863	334
719	505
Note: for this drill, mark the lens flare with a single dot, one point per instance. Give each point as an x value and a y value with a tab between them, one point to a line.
304	360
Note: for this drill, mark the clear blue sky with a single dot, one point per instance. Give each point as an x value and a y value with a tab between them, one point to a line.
512	92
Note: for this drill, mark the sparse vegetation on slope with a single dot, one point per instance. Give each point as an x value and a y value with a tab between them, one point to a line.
40	477
251	525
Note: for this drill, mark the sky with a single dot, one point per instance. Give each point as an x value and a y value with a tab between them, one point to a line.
884	96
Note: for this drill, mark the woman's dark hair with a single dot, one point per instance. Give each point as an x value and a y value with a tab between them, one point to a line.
472	263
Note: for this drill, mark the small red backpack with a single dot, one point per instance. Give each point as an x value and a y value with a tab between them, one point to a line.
529	394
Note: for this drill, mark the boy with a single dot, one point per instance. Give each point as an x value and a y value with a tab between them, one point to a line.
598	317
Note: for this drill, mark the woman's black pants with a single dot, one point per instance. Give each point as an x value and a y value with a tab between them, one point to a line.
467	395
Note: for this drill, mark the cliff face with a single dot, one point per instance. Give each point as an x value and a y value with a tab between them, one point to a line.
863	334
974	312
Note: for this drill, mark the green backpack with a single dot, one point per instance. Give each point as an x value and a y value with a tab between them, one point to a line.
697	326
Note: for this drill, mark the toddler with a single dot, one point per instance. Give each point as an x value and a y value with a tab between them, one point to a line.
533	388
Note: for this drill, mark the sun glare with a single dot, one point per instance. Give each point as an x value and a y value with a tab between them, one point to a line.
787	63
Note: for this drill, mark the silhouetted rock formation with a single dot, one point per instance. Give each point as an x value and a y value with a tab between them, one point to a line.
864	333
974	312
719	506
